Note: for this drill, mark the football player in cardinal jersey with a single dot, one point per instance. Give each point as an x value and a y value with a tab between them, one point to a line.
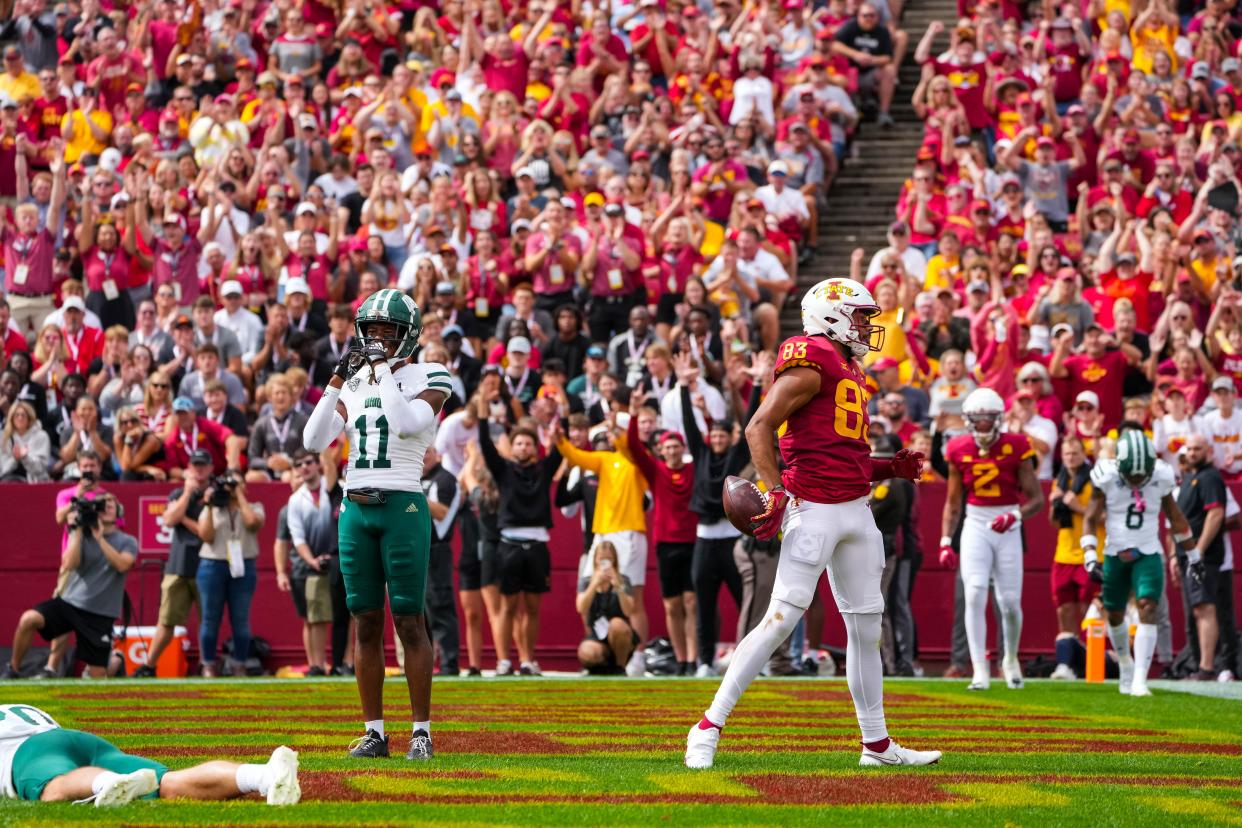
817	405
997	471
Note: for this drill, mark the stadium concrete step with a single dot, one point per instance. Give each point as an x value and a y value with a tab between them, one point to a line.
862	200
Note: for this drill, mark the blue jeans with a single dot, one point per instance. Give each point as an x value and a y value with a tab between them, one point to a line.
215	589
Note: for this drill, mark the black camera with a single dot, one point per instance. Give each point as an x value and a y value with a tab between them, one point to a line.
88	512
222	487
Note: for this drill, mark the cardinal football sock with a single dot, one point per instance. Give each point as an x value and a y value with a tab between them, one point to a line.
977	628
751	656
864	673
1144	649
707	724
423	726
252	779
377	725
878	747
103	779
1120	636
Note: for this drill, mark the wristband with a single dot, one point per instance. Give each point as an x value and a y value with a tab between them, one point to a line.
1089	542
1182	538
1017	514
946	541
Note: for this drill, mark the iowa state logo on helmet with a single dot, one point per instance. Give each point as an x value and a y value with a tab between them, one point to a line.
834	291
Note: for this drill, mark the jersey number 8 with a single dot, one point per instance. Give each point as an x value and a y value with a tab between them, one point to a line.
850	421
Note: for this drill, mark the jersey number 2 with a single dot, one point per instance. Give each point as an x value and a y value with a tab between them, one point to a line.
381	460
984	474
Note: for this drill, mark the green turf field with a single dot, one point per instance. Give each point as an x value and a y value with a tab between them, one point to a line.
594	752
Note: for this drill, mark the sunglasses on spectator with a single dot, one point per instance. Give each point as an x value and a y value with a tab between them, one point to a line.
1027	380
159	385
127	421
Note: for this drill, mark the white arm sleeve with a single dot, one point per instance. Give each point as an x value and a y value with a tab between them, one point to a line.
325	422
406	417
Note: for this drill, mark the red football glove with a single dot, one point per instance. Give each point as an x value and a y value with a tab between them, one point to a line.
1004	522
908	464
767	523
948	557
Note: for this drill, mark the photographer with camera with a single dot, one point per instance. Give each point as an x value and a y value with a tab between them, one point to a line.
605	606
315	578
229	527
97	559
179	588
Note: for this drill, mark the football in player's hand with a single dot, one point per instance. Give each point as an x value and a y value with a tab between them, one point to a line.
742	501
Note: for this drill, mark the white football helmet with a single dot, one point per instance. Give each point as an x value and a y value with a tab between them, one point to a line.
983	409
833	308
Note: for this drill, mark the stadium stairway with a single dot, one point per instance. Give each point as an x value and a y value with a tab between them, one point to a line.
862	199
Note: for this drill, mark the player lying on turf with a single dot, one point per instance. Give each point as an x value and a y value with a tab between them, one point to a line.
40	760
819	397
1129	494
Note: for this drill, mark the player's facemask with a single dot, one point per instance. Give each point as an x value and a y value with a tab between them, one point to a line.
868	334
985	428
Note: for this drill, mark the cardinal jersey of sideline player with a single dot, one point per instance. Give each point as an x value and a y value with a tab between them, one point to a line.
377	458
990	478
824	443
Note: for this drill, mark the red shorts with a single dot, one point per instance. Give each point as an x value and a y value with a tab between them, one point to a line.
1071	584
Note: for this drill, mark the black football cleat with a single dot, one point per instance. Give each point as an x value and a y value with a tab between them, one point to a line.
369	746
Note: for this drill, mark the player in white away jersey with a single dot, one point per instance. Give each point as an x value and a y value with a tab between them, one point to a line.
388	406
1129	494
40	760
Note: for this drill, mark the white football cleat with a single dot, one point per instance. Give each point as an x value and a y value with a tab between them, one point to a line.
1125	666
981	681
701	746
1012	671
1140	688
897	755
282	777
127	787
637	665
1064	672
705	671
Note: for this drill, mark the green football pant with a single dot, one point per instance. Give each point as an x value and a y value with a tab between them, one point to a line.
45	756
1144	576
384	549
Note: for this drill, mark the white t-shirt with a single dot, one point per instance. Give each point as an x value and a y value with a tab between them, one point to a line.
1169	435
670	408
1044	430
913	259
246	326
451	440
1225	435
788	202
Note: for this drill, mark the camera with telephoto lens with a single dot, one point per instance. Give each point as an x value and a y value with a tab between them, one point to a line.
88	512
222	486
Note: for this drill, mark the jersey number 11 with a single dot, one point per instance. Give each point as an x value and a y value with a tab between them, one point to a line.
381	460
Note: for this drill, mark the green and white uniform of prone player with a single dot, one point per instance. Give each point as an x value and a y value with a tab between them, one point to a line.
40	760
387	404
1129	494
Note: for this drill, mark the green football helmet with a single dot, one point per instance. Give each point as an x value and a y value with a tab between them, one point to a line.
393	307
1136	457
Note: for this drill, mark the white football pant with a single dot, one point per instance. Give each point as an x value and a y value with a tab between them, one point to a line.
843	539
986	556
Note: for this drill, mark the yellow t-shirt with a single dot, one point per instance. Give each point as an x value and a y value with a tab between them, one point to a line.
619	501
1068	549
942	272
84	141
439	107
25	85
1149	41
1205	270
894	338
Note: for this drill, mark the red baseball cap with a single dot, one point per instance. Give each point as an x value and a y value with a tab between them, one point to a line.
883	364
1045	141
1131	136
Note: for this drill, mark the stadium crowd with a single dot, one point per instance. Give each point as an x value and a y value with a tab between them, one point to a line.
601	211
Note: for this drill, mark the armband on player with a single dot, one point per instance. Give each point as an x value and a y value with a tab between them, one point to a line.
1185	546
